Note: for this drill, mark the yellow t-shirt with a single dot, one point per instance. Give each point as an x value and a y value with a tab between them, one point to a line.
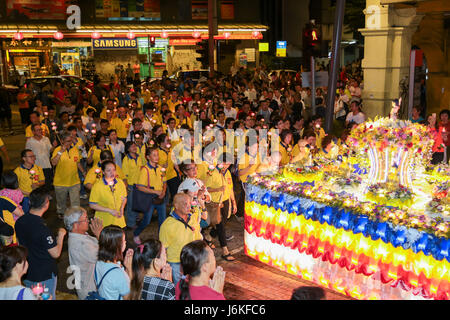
122	126
300	152
141	152
319	137
246	163
29	132
66	172
1	143
172	105
27	177
97	151
165	160
174	235
103	114
131	168
286	155
215	179
95	174
151	177
102	195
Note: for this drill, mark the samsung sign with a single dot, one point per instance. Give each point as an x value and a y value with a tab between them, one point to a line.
114	43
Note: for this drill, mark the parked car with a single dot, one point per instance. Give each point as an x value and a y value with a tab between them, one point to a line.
76	80
195	75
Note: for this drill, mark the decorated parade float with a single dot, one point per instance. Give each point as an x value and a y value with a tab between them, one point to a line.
369	220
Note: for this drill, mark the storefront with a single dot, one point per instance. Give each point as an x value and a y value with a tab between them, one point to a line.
153	60
31	56
109	53
73	57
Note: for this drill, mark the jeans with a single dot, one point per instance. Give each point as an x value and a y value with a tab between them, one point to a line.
26	204
50	284
161	209
173	185
131	216
61	197
176	272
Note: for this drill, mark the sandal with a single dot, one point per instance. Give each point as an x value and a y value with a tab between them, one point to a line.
228	257
210	243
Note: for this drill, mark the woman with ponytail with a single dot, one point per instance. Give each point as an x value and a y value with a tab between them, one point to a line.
152	275
199	267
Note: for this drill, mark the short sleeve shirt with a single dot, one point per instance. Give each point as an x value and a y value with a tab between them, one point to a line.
116	283
66	172
151	177
27	177
36	237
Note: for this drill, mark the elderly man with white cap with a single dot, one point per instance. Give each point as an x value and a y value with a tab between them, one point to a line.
199	194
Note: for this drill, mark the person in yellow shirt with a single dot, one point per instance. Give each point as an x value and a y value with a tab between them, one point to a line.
165	161
109	196
109	111
35	119
173	101
95	173
100	145
152	181
176	232
220	186
66	160
181	117
285	146
317	127
304	147
141	147
249	161
131	165
122	124
30	175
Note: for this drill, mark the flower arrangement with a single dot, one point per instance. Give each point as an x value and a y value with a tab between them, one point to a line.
385	133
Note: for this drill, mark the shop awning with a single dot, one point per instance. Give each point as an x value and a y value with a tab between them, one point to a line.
229	31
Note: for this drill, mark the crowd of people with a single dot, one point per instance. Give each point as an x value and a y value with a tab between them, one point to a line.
118	146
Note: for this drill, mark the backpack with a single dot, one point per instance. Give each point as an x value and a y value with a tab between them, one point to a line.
95	295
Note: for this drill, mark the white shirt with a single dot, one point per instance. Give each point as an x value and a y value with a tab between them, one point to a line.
41	149
83	250
230	113
251	94
359	118
117	148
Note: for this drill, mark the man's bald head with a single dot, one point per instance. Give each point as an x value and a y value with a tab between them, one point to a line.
182	203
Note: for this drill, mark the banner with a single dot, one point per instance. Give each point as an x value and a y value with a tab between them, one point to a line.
114	43
37	9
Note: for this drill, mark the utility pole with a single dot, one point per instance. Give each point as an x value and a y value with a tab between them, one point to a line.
334	69
212	31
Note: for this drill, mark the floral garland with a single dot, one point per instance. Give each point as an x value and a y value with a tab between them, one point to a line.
320	193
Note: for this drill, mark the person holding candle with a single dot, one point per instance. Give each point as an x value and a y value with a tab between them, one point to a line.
109	196
95	173
152	180
165	161
35	119
285	146
42	247
122	124
41	147
66	160
29	174
13	266
220	186
94	151
152	275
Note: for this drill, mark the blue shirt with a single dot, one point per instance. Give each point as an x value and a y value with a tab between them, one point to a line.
116	284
